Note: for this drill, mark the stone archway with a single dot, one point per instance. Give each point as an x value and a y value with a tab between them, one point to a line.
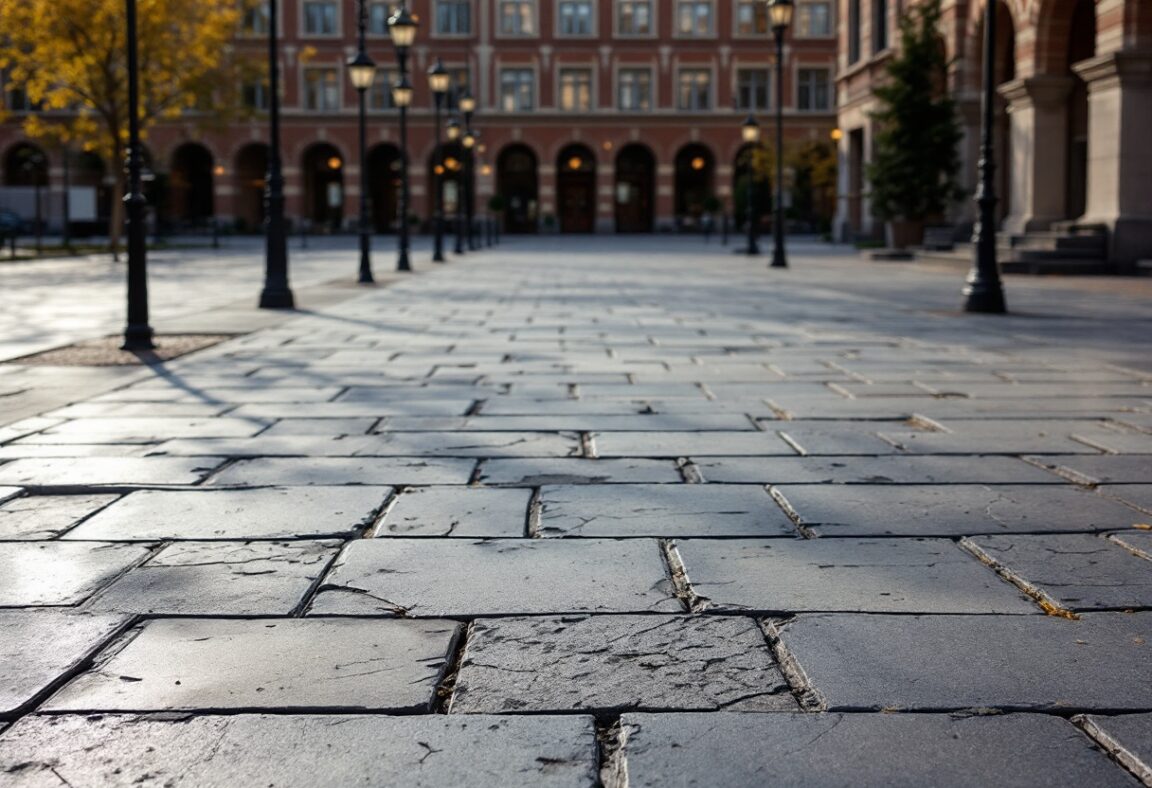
385	166
251	172
1081	46
635	193
695	167
190	188
517	182
576	189
323	171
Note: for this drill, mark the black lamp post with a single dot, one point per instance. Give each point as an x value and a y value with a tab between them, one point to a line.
468	106
138	332
402	28
438	80
780	12
362	73
750	133
454	132
984	292
276	293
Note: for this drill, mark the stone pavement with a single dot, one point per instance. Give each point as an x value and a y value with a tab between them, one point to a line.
614	512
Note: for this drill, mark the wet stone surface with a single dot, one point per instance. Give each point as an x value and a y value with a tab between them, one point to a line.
607	663
206	664
297	751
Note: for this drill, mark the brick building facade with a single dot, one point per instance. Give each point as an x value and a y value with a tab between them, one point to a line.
594	115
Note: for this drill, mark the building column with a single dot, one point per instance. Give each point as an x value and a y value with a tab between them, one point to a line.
963	212
665	197
1119	154
1038	127
606	198
546	183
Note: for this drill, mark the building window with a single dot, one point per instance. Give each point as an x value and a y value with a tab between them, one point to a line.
517	89
461	83
695	89
752	88
255	21
517	17
634	18
814	20
575	17
380	94
575	89
321	89
454	17
853	30
813	89
880	25
751	18
320	18
634	89
378	14
694	17
254	95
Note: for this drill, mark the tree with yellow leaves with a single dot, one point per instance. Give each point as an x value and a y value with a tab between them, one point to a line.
70	58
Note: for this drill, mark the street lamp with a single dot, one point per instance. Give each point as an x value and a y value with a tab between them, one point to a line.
984	292
468	106
438	81
402	29
276	293
454	132
138	332
750	133
362	73
780	14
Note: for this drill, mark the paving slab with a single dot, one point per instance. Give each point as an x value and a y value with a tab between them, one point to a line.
1070	571
141	429
985	441
655	422
936	663
613	663
47	516
1138	541
690	444
397	444
1100	469
441	577
457	511
238	395
301	751
537	472
220	578
730	750
834	438
263	664
8	493
337	427
61	573
329	471
108	471
20	451
660	510
952	510
1138	496
860	575
40	647
1127	738
871	470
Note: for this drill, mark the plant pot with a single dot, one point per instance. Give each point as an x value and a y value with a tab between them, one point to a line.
902	233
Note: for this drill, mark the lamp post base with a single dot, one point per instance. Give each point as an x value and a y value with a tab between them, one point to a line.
981	298
280	298
402	263
138	337
778	259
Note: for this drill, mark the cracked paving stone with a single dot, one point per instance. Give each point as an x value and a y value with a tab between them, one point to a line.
871	470
605	663
1071	571
107	471
533	473
1101	468
1139	542
303	472
859	575
274	513
298	751
251	665
390	444
457	511
661	510
60	573
433	577
220	578
1127	737
952	510
877	662
46	517
729	750
41	646
690	444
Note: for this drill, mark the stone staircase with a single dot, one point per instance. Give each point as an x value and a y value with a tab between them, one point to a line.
1067	248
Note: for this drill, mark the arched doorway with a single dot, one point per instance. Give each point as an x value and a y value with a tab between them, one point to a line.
91	203
190	185
25	164
1081	46
695	167
251	170
750	184
517	184
323	168
452	181
635	195
385	167
576	189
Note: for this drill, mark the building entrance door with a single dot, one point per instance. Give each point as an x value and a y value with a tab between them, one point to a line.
576	189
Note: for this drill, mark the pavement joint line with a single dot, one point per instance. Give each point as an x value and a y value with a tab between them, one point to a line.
1064	472
809	698
445	691
376	521
534	514
689	470
1136	551
1046	602
588	445
678	576
611	758
796	447
1115	749
797	521
309	596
